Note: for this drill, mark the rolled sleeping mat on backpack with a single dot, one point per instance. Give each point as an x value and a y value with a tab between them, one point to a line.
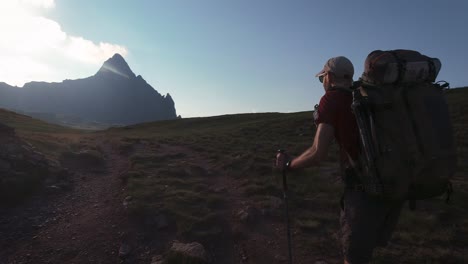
399	66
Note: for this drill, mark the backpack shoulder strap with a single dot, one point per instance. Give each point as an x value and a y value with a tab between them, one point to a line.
348	90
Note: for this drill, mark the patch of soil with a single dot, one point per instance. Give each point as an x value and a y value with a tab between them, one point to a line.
83	225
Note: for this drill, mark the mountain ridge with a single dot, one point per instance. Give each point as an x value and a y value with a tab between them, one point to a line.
114	95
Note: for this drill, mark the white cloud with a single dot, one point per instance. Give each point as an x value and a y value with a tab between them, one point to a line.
86	51
38	3
36	48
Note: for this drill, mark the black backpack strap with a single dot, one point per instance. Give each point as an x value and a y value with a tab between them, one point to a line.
348	90
449	192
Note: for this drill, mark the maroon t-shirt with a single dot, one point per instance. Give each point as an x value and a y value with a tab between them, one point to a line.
335	109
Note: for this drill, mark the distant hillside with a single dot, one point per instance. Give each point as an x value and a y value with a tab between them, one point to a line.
114	95
26	123
69	121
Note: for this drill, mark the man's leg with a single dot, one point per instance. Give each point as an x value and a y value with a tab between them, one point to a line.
365	224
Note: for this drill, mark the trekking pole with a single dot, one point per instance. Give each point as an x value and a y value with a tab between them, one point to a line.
285	196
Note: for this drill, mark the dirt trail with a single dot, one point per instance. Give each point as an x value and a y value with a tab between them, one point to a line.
88	223
83	225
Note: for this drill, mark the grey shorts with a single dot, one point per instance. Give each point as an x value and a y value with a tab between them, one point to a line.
366	223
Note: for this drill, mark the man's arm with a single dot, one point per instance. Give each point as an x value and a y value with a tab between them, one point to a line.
312	156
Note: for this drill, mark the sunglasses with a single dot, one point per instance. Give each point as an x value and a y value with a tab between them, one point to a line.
321	78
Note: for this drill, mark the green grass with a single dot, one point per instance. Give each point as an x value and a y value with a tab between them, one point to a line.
173	187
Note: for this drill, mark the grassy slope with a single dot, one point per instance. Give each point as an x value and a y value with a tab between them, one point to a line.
23	123
241	145
245	145
49	139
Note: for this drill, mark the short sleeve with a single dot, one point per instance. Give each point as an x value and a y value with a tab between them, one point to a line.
327	111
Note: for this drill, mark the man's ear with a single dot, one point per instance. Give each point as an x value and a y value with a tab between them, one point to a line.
331	79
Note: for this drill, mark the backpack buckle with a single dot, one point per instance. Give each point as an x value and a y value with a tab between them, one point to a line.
359	187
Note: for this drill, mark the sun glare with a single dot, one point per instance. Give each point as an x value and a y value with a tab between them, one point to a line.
38	48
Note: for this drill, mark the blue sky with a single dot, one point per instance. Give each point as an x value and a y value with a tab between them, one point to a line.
239	56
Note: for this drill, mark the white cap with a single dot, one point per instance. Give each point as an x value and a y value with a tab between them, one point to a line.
339	66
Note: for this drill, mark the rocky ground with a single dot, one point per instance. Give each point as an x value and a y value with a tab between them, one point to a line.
82	224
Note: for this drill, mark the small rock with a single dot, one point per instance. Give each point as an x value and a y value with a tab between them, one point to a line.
243	215
320	262
157	260
248	214
124	250
53	189
220	190
127	202
193	250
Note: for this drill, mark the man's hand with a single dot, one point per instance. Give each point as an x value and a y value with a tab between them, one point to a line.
281	159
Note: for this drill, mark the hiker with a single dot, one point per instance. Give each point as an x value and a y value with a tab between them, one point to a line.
365	222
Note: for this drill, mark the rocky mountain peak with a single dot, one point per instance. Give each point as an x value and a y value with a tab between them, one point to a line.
116	65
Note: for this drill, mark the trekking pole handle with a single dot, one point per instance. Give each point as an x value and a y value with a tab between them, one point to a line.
285	183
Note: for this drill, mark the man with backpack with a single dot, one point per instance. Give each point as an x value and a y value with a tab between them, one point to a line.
365	222
395	137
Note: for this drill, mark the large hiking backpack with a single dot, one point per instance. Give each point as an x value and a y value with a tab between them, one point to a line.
406	135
